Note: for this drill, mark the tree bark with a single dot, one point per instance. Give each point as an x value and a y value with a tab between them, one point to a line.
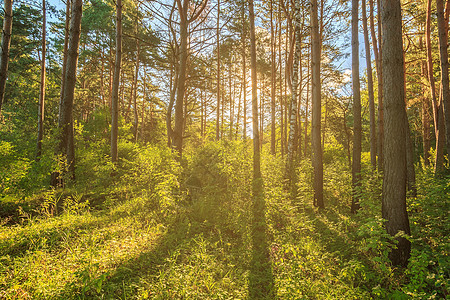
218	73
437	114
255	127
66	143
357	130
115	85
273	81
292	138
136	77
394	165
378	57
316	107
443	51
244	71
42	86
373	130
6	41
179	102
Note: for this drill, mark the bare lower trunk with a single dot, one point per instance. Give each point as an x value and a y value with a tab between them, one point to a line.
316	107
357	130
42	87
395	172
135	109
273	81
218	73
6	41
373	131
115	85
443	51
293	106
378	57
66	143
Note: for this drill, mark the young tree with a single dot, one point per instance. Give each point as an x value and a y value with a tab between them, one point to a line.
42	87
4	51
357	130
116	81
394	165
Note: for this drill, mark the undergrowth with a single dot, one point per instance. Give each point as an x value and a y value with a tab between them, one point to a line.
160	229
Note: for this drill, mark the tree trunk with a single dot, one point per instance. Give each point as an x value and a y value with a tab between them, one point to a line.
173	89
357	130
179	102
218	72
307	104
273	80
394	165
378	56
6	40
136	77
292	139
244	70
443	51
316	107
281	83
440	139
42	86
426	128
66	143
437	118
116	82
373	130
256	151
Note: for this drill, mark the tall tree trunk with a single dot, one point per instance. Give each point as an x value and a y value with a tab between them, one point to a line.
4	51
173	91
244	71
426	128
307	102
280	58
378	57
292	140
443	51
66	143
316	107
256	151
357	130
394	182
115	85
136	77
273	80
373	130
102	71
440	138
42	86
218	72
438	121
179	102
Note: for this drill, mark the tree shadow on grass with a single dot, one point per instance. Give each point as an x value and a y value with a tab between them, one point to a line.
261	282
125	278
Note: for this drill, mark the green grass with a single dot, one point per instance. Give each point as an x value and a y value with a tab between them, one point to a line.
162	231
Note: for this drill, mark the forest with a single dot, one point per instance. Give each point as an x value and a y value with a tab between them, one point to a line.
211	149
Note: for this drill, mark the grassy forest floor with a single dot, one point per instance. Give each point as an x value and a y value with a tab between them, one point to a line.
161	230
